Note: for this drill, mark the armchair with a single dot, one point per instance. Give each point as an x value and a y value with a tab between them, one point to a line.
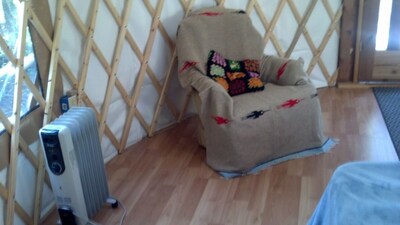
248	132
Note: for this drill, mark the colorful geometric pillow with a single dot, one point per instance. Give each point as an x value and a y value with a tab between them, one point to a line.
237	77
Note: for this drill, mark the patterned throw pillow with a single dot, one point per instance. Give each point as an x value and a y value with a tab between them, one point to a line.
237	77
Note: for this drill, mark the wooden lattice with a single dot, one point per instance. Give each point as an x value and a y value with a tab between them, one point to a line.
130	97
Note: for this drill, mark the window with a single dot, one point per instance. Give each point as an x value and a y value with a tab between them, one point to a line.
9	27
382	35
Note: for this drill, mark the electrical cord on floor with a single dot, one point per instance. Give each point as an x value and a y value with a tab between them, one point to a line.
114	203
123	215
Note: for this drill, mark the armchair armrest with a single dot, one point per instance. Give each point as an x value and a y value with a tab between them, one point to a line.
283	71
214	99
201	83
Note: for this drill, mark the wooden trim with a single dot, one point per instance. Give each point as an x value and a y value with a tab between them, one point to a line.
3	192
358	40
54	62
105	65
67	72
266	24
348	41
6	49
159	88
139	55
189	6
100	56
325	40
22	214
114	66
34	90
161	27
141	120
28	82
41	172
304	31
15	133
162	94
386	65
140	79
331	14
250	6
367	28
220	2
366	85
87	49
37	209
22	144
332	81
18	208
107	131
40	29
41	49
301	26
274	20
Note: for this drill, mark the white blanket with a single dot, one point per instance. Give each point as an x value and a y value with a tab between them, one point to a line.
361	193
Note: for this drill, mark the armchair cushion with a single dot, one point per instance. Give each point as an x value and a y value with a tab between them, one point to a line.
235	76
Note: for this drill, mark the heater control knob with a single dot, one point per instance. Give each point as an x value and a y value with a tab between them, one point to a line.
56	168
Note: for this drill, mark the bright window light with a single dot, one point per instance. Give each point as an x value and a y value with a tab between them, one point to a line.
9	27
382	35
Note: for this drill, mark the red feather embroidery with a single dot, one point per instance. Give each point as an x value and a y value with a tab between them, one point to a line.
290	103
187	65
220	120
281	70
210	14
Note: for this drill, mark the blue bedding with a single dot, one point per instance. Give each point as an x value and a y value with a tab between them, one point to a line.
361	193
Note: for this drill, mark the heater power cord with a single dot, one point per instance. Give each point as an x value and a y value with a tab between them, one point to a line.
114	203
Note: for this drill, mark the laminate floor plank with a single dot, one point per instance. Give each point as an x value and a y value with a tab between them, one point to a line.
164	180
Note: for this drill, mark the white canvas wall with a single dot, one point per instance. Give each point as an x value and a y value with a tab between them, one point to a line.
139	25
25	183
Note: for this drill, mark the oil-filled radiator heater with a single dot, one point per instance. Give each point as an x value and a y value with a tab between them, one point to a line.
75	164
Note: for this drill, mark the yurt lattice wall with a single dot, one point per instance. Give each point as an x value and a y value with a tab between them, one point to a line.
120	58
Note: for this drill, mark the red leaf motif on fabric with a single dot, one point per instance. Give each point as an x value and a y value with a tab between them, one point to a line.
210	14
281	70
290	103
220	120
187	65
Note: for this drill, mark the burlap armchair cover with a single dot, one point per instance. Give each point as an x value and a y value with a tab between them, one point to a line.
248	132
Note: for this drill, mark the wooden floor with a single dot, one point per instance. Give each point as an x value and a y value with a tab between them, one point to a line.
164	180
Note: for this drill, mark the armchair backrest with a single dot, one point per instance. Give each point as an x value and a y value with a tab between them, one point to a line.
227	31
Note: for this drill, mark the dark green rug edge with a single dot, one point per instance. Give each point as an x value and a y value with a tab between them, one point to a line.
388	99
